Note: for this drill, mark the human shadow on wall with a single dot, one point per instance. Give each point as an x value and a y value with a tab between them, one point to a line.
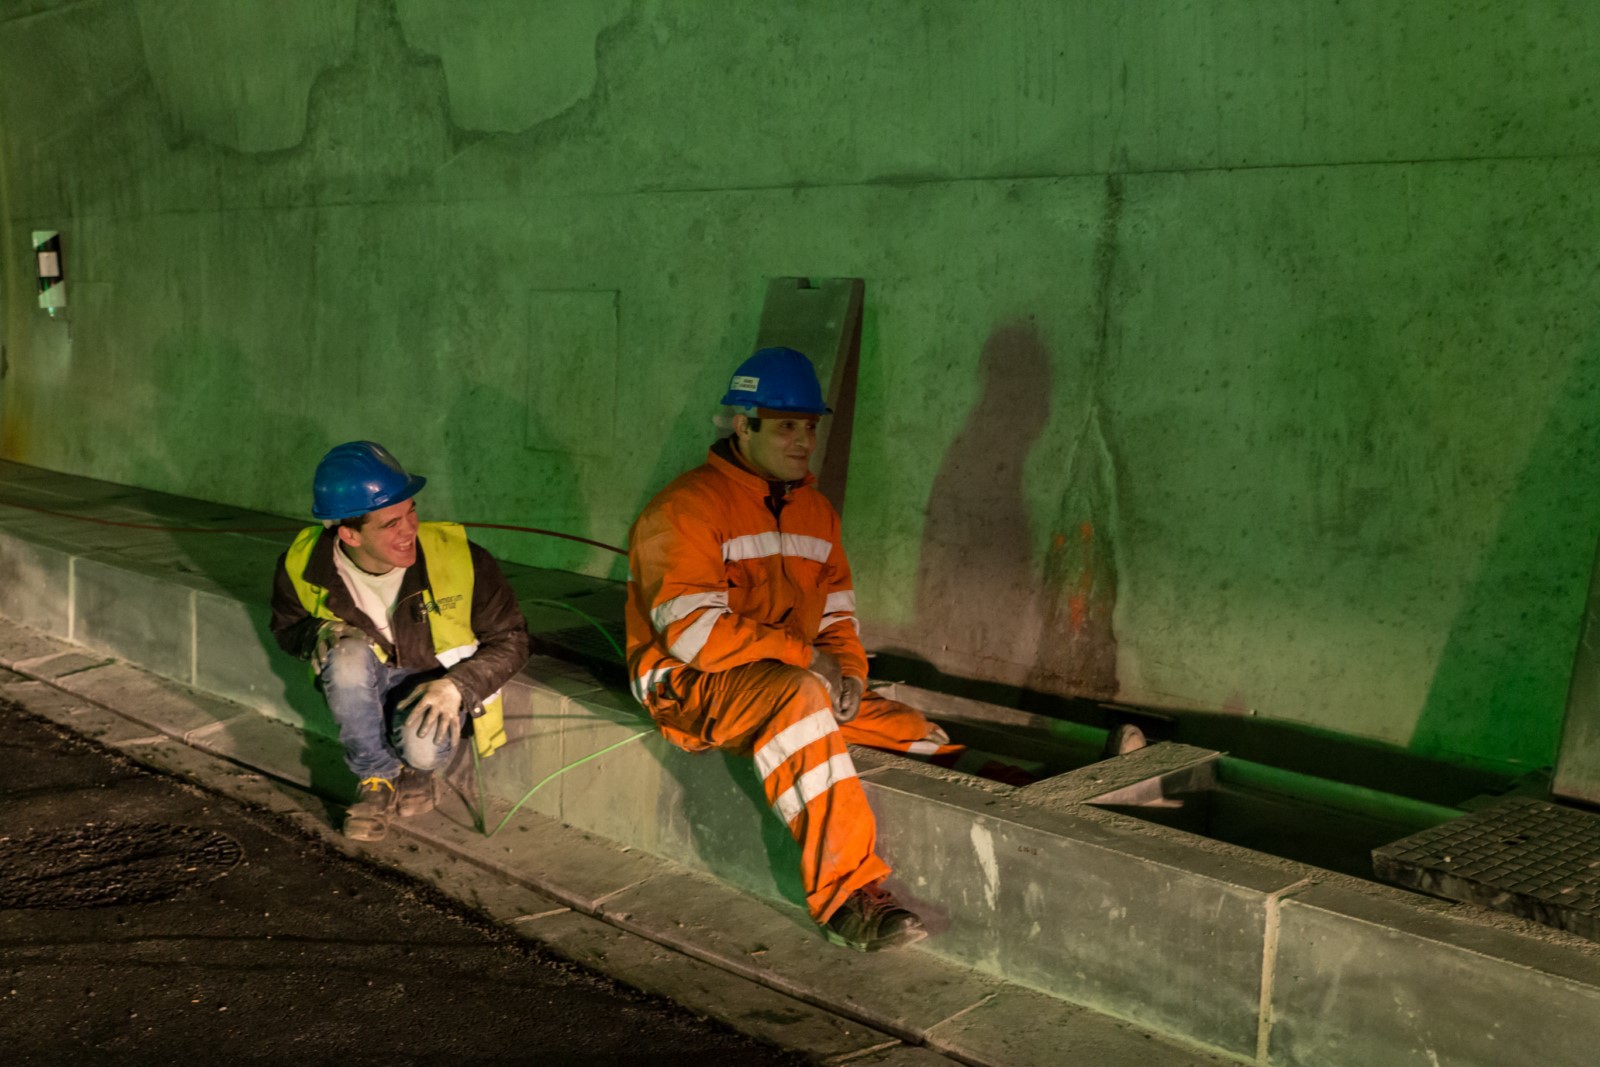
977	590
1500	685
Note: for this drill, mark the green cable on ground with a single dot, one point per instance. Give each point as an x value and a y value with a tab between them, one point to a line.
480	817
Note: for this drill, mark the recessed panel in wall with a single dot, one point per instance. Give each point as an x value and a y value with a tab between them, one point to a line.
572	371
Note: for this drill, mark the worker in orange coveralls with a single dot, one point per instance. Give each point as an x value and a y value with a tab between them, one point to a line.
742	636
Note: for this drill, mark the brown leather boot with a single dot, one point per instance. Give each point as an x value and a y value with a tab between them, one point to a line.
870	919
413	793
368	818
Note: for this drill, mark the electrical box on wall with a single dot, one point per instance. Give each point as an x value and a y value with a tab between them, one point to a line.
52	278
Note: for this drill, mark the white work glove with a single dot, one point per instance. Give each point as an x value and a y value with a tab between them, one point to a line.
849	702
825	665
329	634
438	707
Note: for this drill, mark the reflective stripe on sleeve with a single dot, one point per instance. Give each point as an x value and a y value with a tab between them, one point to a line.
679	607
696	634
829	620
812	784
840	603
647	681
792	738
922	748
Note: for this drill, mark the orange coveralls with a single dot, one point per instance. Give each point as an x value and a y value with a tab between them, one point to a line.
725	603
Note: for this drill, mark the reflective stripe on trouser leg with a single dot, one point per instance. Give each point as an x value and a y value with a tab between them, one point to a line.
770	712
894	727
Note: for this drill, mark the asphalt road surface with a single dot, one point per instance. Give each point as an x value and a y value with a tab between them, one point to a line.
145	920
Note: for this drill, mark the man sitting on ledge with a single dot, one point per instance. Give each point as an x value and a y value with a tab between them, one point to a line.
742	636
407	624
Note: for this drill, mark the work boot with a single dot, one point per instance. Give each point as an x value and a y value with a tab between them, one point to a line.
870	919
368	818
1124	738
413	793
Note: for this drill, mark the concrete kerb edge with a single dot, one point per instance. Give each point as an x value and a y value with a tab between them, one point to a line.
572	900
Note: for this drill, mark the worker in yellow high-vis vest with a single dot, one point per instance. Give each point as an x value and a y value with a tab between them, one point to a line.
410	628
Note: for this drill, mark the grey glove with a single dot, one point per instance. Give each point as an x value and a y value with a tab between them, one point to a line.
825	665
849	702
438	707
329	634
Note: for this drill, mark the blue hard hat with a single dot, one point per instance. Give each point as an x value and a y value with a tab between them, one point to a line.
780	379
357	477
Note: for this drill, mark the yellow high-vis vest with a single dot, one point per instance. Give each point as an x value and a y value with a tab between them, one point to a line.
449	608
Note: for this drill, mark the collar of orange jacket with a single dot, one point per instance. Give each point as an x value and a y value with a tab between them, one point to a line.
726	458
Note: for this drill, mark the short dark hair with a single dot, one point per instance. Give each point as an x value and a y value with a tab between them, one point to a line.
355	522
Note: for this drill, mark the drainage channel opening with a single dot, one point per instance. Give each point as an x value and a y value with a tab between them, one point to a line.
112	864
1294	816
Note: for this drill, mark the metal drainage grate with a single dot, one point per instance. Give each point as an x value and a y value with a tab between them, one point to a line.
1524	856
109	864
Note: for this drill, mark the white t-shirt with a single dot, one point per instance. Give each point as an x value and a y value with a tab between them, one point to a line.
374	594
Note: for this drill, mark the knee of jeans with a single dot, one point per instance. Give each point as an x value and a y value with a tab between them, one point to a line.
420	752
350	663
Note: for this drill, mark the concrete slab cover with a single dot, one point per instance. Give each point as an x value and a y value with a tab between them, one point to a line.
785	950
703	987
174	709
1523	856
1022	1028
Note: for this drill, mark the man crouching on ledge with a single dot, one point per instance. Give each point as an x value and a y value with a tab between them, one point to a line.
410	628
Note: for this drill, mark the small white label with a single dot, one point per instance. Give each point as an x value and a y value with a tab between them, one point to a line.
49	265
743	383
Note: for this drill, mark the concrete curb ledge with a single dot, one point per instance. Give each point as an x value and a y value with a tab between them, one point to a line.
1040	902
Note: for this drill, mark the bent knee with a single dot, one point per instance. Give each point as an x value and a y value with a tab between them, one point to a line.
801	692
350	663
421	752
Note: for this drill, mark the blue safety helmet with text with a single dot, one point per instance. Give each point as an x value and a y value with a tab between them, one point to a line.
357	477
777	379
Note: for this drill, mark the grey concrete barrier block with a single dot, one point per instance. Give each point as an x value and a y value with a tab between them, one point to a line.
1082	909
1360	978
35	584
236	657
532	751
1021	1028
144	618
618	794
705	810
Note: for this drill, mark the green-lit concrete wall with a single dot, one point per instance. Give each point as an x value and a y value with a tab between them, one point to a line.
1223	354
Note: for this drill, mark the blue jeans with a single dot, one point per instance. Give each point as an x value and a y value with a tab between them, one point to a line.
362	694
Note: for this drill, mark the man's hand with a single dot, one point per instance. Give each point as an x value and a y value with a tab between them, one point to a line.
331	633
438	705
825	665
849	702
